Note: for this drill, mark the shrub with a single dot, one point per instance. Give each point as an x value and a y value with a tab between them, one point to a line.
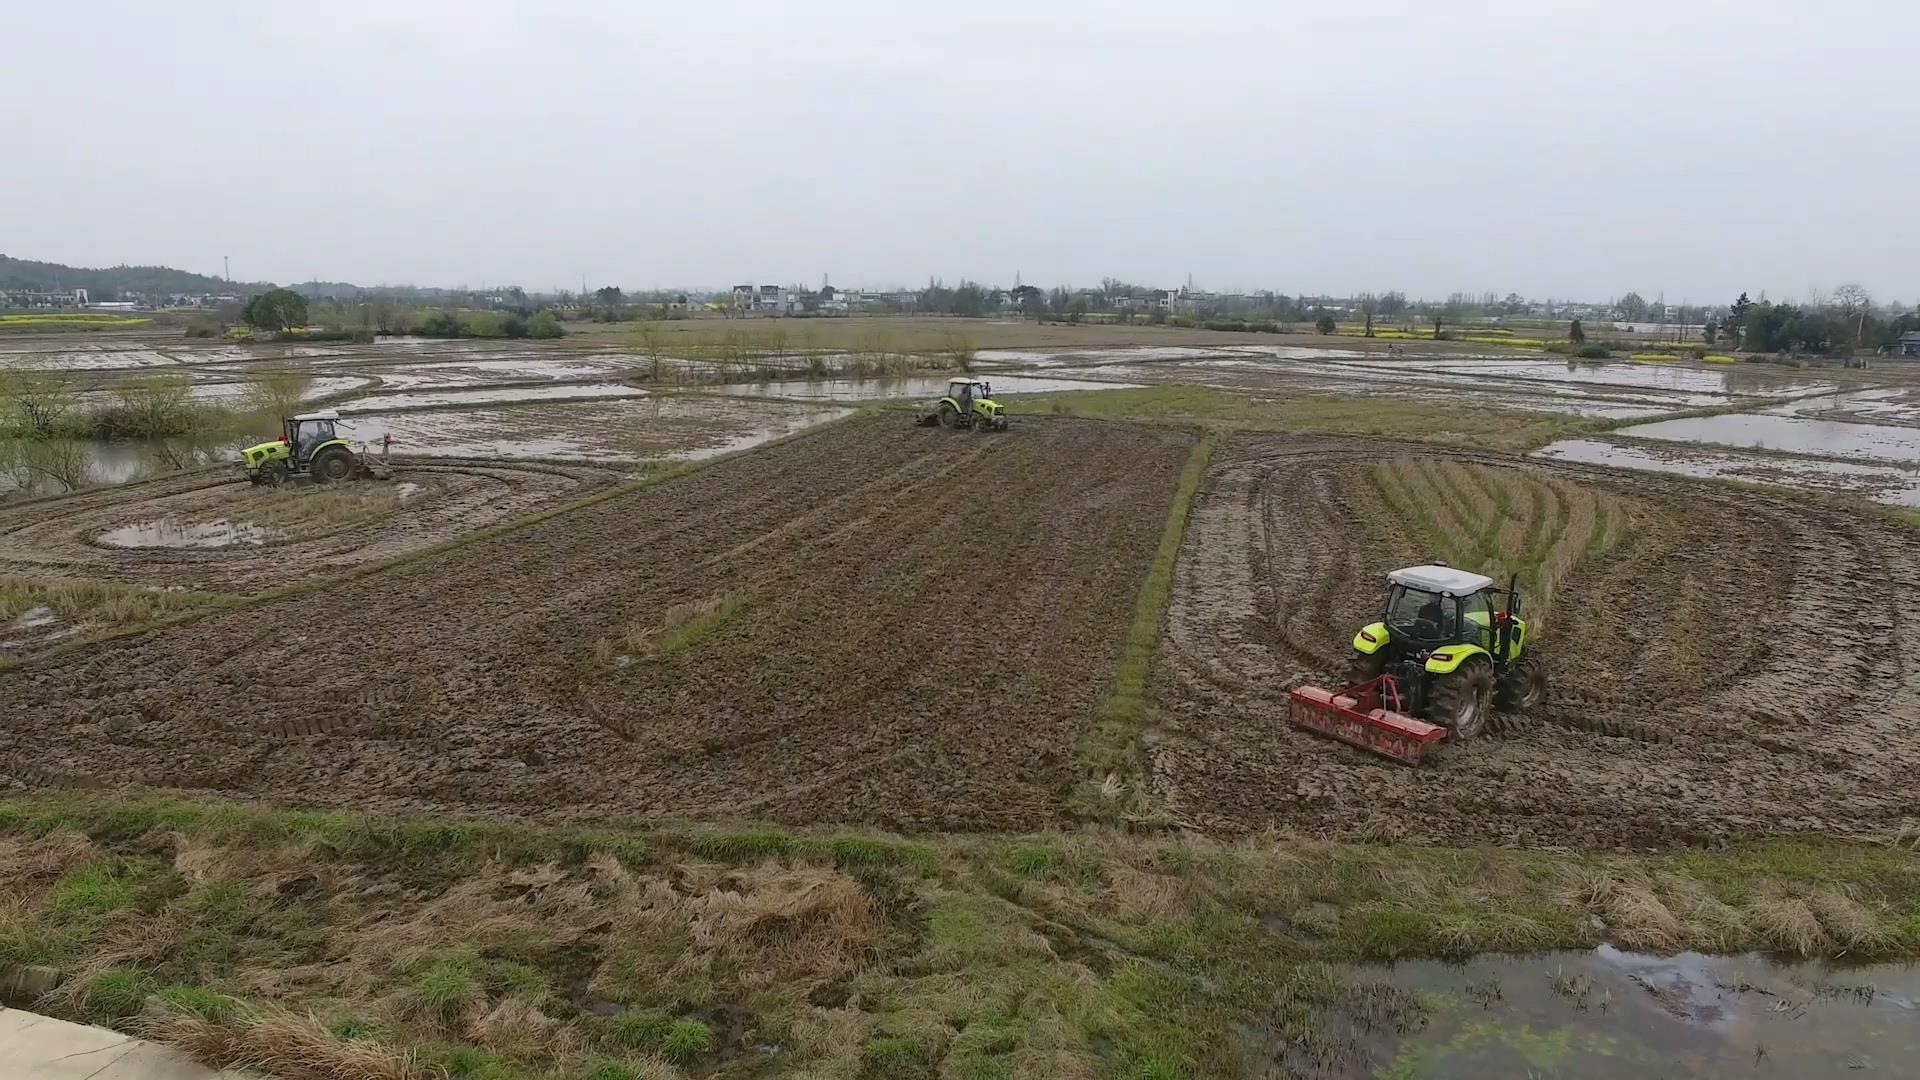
1593	351
442	324
1324	324
205	326
545	324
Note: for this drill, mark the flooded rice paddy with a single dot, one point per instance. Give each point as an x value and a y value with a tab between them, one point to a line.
669	427
1791	434
1883	483
497	396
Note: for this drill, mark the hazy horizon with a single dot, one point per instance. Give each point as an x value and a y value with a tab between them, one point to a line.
1681	148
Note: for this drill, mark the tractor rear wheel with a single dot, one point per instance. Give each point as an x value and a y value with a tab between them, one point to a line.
1365	667
332	464
1524	687
1462	700
949	417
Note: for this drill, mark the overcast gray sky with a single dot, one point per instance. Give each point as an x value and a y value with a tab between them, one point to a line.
1550	148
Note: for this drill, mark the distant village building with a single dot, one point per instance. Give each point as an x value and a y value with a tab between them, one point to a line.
760	299
40	298
1909	344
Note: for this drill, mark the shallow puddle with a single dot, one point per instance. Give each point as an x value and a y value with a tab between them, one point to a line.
174	533
1609	1013
1883	483
1798	434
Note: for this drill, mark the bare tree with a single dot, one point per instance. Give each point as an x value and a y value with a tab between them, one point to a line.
278	392
38	398
1855	303
67	462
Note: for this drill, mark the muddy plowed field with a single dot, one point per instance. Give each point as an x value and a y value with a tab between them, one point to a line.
872	623
1725	662
207	529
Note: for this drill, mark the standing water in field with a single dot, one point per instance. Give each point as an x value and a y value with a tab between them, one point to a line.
1596	1016
174	533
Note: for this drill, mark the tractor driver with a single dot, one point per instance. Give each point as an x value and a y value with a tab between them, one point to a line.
1430	616
304	436
966	399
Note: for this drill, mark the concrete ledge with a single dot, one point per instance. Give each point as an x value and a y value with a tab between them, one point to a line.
35	1047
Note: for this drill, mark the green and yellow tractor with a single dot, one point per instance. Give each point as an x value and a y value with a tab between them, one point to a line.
310	448
1447	654
969	404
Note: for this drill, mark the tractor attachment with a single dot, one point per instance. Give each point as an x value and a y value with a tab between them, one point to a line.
1359	715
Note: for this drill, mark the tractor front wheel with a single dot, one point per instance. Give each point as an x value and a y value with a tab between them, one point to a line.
332	465
273	473
1524	687
1463	700
1365	667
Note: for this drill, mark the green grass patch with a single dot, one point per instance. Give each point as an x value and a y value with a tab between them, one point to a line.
115	994
1313	414
687	625
70	321
200	1001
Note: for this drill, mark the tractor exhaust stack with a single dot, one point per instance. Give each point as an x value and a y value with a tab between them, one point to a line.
1359	715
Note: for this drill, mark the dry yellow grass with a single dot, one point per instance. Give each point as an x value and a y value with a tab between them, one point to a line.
284	1045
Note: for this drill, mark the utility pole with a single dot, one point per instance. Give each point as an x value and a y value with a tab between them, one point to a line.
226	269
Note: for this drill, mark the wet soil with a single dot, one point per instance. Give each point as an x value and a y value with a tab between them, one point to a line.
137	532
1740	665
929	621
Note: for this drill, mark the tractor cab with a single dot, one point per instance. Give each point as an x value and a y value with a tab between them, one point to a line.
966	391
303	433
1438	605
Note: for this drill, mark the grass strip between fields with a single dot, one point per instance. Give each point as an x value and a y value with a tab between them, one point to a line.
1111	752
343	945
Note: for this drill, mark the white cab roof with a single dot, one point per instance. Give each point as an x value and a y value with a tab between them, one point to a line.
323	414
958	379
1440	579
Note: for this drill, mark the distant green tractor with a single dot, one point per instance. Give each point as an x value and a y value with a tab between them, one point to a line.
969	404
310	448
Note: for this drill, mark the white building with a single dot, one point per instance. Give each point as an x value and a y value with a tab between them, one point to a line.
760	299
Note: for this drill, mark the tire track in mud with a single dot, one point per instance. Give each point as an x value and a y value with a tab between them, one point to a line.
1737	666
60	538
